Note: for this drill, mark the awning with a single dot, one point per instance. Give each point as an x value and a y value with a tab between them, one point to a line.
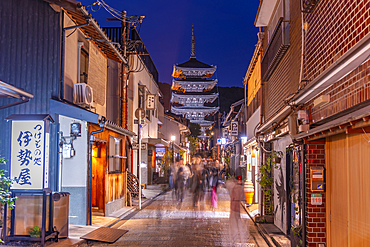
114	127
10	91
72	111
250	142
354	122
158	142
264	12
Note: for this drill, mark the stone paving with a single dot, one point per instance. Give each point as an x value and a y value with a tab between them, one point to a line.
165	222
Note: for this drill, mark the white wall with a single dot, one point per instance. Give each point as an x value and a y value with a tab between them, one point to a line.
97	69
150	128
74	170
252	123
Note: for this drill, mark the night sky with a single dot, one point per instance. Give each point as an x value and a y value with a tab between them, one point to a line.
225	34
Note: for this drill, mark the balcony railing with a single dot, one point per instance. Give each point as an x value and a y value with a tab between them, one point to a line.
276	49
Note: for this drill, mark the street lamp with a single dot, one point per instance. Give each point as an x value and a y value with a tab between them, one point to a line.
173	153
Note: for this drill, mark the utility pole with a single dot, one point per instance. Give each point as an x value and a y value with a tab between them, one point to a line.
219	135
139	156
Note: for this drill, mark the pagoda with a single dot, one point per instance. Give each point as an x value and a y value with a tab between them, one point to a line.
191	86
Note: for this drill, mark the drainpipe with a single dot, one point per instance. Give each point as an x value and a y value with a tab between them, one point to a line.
92	139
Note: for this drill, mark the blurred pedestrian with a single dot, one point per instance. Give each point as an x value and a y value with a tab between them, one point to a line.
237	228
180	182
196	180
214	184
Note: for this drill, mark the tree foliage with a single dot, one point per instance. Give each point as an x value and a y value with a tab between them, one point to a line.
194	129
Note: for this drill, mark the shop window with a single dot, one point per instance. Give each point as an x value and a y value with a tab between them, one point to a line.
115	154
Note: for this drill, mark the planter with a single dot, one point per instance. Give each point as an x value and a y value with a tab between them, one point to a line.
264	219
295	239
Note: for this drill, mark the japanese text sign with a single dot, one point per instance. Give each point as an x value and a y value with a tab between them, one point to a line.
234	128
151	101
29	155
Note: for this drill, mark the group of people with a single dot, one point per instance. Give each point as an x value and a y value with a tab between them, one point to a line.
198	177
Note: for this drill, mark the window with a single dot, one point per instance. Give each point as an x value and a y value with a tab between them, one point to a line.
84	64
115	154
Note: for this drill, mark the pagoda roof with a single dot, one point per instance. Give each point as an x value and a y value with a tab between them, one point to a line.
190	96
194	63
204	123
201	109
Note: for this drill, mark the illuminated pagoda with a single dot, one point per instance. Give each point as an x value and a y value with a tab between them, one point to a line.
191	86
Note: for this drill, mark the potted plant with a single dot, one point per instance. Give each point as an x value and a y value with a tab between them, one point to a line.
266	180
296	236
5	194
35	232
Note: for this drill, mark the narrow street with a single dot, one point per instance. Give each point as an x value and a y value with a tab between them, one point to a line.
165	222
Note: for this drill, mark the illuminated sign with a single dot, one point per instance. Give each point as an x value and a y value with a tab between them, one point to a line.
29	155
234	128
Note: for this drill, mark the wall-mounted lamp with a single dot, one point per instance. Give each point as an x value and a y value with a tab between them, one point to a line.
96	150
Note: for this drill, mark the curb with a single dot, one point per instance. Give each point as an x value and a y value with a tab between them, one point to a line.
270	241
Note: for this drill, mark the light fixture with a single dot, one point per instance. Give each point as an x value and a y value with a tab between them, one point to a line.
173	138
96	150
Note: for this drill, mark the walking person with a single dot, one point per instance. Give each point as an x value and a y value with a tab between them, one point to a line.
237	229
180	182
214	187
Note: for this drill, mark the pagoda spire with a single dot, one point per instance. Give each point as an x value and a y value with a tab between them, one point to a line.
192	55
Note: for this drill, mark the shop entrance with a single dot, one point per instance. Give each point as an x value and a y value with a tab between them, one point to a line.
98	179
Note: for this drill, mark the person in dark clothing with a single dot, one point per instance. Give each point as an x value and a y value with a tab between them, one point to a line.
180	181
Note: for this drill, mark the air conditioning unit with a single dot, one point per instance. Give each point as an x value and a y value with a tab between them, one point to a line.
84	94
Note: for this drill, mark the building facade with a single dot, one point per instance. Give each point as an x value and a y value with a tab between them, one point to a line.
72	69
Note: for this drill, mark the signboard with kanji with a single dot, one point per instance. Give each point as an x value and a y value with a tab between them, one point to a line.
29	155
225	132
151	101
234	128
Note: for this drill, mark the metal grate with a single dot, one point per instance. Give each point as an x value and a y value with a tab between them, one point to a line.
105	234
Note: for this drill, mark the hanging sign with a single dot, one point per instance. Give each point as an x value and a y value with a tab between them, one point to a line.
225	132
151	100
234	128
29	165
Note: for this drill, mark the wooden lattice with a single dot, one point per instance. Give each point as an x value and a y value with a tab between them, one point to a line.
132	185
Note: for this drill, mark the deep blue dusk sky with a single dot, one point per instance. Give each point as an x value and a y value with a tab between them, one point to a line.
225	34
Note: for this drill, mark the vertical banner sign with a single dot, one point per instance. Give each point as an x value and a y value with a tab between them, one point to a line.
234	128
151	101
29	155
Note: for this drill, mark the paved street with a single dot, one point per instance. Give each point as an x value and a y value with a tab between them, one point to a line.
167	223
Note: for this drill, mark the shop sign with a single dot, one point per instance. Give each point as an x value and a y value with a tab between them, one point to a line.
234	128
29	155
159	152
135	146
150	101
225	132
316	199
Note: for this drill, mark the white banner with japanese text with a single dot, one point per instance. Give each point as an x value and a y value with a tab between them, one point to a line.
27	155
